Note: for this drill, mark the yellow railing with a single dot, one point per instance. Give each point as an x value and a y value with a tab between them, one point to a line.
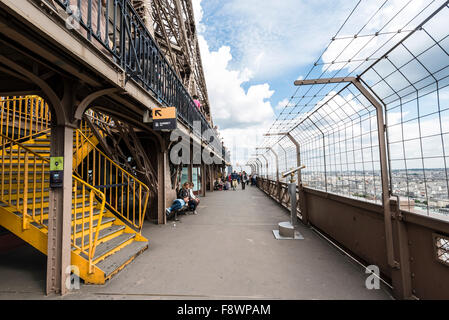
24	184
22	117
126	195
86	240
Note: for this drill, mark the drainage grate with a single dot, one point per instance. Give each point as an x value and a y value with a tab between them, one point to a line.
441	248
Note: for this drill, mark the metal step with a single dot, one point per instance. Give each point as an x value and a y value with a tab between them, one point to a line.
30	191
105	220
7	158
102	234
14	151
79	227
30	165
14	174
106	247
79	206
30	181
113	263
36	145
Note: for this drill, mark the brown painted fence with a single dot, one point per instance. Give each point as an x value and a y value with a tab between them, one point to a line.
358	227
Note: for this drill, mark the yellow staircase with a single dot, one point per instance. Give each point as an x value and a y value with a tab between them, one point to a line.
107	212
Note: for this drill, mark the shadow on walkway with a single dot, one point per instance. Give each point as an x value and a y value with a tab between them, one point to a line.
228	251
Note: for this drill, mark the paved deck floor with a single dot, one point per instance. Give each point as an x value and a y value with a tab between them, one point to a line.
227	251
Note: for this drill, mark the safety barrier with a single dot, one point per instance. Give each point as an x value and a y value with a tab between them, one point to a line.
126	195
24	184
21	117
116	27
357	227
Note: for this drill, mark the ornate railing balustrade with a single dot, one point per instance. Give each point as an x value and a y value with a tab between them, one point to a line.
118	31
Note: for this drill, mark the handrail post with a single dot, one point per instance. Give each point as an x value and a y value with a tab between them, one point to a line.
400	278
302	194
298	154
278	187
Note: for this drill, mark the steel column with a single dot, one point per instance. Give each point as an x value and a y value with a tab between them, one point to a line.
266	166
277	163
211	177
398	278
60	214
278	192
383	170
203	180
161	190
298	154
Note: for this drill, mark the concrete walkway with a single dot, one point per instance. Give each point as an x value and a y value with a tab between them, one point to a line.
227	251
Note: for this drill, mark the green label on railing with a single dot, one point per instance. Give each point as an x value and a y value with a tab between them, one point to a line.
56	163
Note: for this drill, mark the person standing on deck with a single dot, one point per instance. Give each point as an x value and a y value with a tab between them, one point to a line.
197	102
234	178
243	181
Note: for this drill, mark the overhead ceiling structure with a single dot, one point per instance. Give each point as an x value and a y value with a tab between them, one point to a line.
172	25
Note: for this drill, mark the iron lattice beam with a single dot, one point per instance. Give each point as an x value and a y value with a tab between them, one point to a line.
172	24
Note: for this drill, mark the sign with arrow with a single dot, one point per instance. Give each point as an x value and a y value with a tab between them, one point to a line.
164	118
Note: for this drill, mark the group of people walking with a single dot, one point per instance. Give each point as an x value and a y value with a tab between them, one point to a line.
234	180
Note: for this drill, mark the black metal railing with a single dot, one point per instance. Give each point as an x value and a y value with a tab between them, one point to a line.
117	29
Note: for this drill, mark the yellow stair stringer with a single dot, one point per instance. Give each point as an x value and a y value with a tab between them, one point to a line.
38	239
84	150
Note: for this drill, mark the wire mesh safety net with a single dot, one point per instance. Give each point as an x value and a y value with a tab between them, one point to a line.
399	50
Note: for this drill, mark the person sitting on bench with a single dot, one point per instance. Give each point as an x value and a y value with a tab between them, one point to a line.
218	185
183	199
193	201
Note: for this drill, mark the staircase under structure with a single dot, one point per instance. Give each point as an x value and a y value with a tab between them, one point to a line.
108	203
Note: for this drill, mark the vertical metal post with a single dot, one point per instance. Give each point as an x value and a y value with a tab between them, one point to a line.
298	154
292	192
383	163
190	167
302	194
60	214
383	171
285	152
161	186
259	168
278	182
211	177
277	164
324	156
266	160
203	180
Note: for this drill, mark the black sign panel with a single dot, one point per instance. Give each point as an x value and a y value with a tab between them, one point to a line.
165	124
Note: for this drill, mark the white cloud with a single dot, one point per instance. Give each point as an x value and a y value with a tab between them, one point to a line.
283	103
272	37
242	115
233	107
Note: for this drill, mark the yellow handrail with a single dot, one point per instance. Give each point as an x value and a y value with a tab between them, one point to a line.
79	184
28	115
29	159
117	183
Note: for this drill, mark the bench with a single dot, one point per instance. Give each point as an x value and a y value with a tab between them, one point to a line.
174	214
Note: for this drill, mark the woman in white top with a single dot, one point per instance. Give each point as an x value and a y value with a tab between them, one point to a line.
193	201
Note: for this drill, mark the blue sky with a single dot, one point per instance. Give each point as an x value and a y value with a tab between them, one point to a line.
283	35
252	52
